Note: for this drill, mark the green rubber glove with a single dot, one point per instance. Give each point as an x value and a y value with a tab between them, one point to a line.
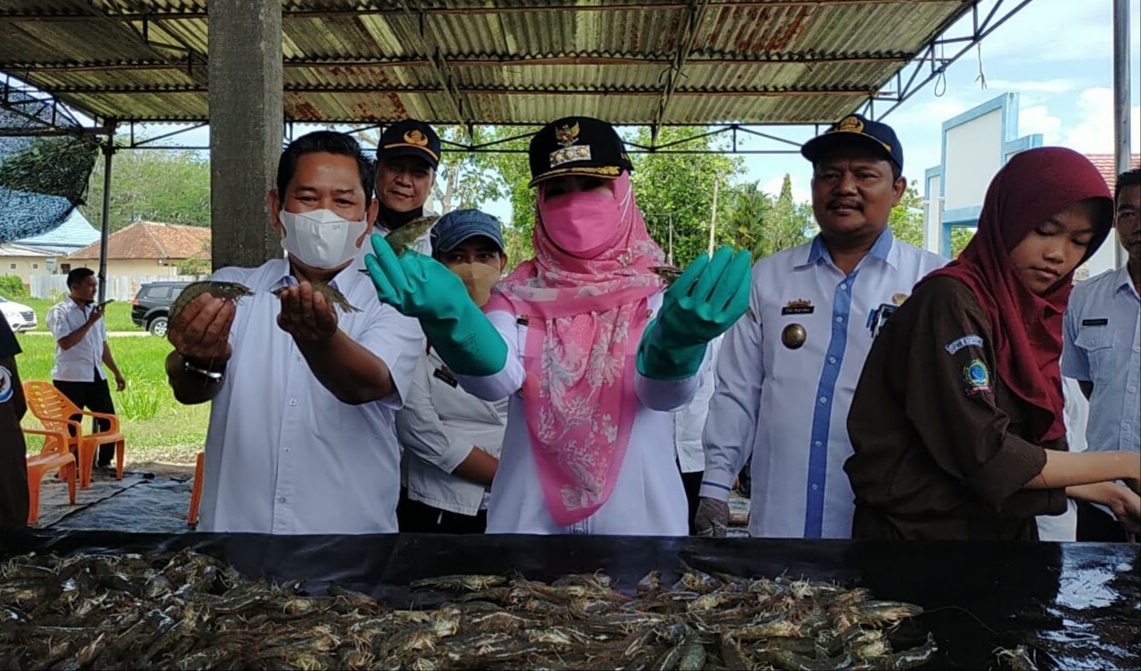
422	287
708	298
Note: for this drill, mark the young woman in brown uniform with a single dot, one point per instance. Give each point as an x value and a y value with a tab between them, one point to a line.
956	423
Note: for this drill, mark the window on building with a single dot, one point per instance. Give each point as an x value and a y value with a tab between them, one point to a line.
12	266
35	266
64	268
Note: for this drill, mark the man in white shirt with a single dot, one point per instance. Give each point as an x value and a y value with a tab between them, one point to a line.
407	157
788	369
81	351
301	437
1102	351
452	439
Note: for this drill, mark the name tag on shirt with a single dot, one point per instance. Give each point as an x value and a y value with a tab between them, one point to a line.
445	375
1095	322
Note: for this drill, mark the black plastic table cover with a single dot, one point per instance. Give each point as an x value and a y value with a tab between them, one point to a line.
1074	605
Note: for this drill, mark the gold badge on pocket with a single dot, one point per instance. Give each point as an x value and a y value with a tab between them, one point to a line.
793	336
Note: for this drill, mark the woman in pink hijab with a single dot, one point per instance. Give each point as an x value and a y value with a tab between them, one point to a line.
598	352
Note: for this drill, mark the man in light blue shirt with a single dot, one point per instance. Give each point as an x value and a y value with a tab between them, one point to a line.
788	369
1102	351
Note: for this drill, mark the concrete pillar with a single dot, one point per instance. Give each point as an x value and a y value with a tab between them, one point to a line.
246	122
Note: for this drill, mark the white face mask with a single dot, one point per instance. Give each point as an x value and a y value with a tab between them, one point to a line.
320	239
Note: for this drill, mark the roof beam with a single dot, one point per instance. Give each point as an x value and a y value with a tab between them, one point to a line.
476	61
484	90
190	14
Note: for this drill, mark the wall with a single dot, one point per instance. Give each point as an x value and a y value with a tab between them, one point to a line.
141	267
119	287
24	266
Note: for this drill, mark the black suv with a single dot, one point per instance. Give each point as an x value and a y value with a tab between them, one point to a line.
152	303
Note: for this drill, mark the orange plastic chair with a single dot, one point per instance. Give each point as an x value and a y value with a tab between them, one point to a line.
54	410
54	455
196	490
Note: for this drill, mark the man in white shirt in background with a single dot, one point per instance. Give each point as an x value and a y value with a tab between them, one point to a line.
788	369
1102	351
452	439
81	351
301	437
407	157
688	424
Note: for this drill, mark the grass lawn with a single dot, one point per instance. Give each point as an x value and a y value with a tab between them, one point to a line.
157	428
118	314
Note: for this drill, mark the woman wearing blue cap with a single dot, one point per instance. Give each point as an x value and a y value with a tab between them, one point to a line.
585	342
452	439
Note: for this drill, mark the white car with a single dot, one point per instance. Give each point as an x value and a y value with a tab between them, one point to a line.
20	317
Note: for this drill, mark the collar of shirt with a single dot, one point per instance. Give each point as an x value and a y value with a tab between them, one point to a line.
1124	282
883	249
288	279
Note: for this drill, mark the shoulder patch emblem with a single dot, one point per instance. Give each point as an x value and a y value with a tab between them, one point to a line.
960	343
976	376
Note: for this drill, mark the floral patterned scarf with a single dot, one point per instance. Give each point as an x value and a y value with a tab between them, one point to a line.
585	318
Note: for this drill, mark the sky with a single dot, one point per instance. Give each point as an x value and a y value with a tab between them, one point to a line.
1057	55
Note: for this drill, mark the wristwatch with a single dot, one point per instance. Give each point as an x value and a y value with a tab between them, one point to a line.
215	375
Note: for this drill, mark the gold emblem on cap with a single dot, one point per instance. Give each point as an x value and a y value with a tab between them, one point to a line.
793	336
416	137
567	135
850	124
898	299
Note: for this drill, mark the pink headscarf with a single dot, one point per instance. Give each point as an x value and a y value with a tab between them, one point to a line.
586	316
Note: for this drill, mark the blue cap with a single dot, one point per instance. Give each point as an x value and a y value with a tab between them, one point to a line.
459	225
856	129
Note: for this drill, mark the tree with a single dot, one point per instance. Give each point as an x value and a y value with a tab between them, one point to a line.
677	190
906	219
50	166
789	224
167	186
960	236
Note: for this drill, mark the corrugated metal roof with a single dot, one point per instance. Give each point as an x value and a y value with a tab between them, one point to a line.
508	61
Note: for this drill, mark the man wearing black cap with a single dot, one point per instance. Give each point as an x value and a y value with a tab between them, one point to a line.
407	157
787	371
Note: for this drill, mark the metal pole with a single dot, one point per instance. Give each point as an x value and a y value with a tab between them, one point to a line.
713	218
105	227
1121	97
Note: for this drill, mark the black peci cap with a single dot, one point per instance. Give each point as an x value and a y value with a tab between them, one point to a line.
855	129
577	146
410	138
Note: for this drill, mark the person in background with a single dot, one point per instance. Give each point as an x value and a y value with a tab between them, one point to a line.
1102	351
13	451
452	439
958	422
407	157
688	424
81	351
301	437
590	349
787	372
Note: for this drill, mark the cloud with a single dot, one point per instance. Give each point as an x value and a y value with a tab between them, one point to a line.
1041	86
1094	133
1055	31
1038	119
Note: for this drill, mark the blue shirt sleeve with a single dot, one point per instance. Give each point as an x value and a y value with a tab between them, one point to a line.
1075	362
